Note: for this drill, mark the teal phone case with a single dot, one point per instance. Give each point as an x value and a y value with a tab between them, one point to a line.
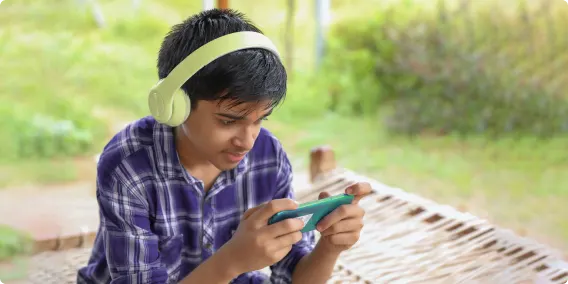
312	212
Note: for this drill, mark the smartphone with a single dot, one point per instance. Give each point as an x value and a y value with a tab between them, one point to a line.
312	212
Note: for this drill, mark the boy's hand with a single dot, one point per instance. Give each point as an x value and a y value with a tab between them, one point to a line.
256	245
341	229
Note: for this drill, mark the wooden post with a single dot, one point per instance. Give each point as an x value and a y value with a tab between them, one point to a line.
223	4
322	160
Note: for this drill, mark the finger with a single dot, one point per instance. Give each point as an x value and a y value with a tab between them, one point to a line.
288	240
284	227
269	209
344	226
342	212
251	211
324	194
349	238
360	190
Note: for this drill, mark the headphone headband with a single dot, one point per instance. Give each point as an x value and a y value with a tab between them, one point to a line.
161	97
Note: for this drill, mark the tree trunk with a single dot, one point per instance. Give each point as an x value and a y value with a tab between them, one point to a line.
223	4
289	35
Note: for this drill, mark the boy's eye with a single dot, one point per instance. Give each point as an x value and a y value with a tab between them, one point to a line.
227	122
260	120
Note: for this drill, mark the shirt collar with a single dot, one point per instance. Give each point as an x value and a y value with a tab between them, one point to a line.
168	162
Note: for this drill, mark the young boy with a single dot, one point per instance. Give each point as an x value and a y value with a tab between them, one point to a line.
190	204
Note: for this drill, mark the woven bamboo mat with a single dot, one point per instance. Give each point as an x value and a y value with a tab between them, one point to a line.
409	239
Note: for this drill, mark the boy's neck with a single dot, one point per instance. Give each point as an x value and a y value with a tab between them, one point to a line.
197	166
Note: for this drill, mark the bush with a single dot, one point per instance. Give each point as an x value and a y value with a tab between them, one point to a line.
467	69
13	242
30	134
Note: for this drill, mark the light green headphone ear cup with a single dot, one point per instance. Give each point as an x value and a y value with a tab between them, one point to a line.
180	110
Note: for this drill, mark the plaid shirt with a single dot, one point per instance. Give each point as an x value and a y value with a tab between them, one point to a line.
157	224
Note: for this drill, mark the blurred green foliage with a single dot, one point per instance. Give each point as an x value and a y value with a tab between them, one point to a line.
55	82
464	67
13	242
31	134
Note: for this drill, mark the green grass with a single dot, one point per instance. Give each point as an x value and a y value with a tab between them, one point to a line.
56	57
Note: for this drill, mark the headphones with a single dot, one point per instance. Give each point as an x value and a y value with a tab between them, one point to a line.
168	103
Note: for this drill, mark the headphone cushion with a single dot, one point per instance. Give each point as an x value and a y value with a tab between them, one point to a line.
180	109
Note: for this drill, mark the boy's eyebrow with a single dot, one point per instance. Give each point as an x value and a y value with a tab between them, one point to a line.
238	117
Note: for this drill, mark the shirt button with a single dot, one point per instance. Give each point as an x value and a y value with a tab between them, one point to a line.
208	246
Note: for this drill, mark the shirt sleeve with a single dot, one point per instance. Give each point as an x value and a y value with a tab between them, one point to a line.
282	270
131	248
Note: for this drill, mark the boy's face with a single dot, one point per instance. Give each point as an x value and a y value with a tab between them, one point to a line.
222	133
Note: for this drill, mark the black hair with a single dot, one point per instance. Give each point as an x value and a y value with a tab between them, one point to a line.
250	75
